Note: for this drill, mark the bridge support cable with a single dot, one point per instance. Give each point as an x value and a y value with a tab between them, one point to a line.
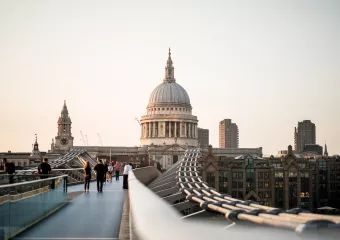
240	211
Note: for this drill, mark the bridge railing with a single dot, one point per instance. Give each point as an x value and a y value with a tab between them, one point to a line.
23	204
151	218
76	175
239	211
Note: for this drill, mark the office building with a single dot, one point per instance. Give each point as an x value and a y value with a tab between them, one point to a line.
304	134
228	134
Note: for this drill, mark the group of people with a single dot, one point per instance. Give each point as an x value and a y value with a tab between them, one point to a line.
43	169
104	173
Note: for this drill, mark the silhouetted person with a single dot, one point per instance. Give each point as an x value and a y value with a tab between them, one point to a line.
87	173
117	169
101	171
105	165
9	168
127	168
44	169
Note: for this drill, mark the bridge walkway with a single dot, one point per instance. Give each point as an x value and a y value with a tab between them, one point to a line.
89	216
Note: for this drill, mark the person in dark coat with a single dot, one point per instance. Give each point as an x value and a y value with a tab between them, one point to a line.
87	173
101	171
44	169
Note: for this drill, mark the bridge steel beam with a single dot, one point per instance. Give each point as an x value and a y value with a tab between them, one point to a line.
153	219
174	197
184	205
163	186
167	192
165	180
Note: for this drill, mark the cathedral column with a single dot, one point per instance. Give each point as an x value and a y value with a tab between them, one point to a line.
154	129
149	127
185	129
141	134
190	130
175	133
195	130
169	129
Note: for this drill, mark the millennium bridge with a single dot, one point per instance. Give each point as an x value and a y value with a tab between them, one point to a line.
177	204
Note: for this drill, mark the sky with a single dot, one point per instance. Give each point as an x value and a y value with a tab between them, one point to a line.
264	64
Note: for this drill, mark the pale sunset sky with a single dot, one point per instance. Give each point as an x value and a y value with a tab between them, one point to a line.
264	64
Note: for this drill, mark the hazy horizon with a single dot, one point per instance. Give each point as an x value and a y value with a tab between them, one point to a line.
264	64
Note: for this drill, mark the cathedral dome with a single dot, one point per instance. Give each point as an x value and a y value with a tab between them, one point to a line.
169	93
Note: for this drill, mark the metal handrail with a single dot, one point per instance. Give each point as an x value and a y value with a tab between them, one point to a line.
236	209
60	169
30	182
164	222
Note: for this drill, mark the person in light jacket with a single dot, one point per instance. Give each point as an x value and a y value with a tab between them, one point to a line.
127	168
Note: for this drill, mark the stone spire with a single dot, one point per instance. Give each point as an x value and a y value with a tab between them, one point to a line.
36	140
325	153
169	70
64	111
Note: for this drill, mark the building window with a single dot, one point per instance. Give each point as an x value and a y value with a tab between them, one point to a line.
211	179
266	185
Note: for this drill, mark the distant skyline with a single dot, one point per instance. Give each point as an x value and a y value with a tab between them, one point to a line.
264	64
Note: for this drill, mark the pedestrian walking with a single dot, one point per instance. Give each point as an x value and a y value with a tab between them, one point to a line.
87	174
109	173
106	170
117	169
127	168
44	169
9	168
101	171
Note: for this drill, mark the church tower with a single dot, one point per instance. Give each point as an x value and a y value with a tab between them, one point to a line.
64	139
35	156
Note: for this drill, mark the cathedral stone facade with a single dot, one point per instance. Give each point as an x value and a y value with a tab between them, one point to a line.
169	118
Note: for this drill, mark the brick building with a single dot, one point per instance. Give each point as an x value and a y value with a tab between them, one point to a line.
284	182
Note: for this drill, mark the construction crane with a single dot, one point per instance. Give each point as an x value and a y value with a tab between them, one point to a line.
87	142
137	120
100	140
82	138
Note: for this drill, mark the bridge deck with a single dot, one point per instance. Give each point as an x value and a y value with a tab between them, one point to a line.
89	216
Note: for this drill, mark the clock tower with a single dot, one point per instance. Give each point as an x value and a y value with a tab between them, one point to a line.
64	139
